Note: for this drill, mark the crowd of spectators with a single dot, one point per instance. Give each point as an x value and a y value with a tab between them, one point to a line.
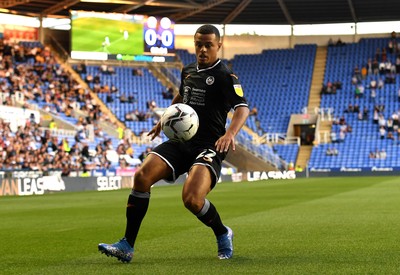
332	151
331	87
374	75
33	72
113	93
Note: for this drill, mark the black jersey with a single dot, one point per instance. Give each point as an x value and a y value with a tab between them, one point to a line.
212	92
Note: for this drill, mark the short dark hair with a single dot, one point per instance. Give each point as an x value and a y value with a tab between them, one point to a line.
209	29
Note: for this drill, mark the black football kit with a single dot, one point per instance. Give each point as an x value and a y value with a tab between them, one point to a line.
212	92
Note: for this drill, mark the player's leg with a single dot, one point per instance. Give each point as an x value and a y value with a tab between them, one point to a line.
152	170
198	184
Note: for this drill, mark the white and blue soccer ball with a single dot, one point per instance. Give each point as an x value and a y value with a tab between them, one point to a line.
180	122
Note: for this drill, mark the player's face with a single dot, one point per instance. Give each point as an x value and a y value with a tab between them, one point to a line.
207	47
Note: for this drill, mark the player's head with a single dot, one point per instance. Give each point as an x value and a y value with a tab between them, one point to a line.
207	44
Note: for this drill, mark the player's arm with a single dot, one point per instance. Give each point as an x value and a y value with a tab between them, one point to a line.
238	120
157	128
177	99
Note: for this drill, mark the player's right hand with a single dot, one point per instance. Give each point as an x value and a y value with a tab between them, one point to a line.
155	131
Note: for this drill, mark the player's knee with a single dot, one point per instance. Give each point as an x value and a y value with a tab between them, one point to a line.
141	182
193	203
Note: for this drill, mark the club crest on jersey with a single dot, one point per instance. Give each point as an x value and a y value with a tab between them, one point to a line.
238	89
210	80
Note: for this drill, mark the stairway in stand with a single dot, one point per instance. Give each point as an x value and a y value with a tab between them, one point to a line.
314	98
303	155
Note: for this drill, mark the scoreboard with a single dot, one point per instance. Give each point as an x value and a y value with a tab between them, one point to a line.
105	36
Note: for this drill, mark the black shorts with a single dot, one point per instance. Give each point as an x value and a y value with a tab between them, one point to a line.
182	156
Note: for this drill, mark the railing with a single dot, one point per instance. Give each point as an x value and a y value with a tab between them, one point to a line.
172	78
277	138
60	132
325	113
56	47
322	137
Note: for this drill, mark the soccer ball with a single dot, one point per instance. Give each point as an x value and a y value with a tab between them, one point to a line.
179	122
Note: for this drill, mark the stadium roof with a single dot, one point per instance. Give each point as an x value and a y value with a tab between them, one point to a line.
275	12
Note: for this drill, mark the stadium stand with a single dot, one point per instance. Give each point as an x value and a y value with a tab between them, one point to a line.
142	87
31	78
146	88
274	78
280	77
363	146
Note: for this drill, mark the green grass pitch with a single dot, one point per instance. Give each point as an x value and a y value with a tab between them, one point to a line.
89	34
303	226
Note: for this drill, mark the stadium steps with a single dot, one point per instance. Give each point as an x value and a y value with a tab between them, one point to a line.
314	100
303	155
325	126
317	78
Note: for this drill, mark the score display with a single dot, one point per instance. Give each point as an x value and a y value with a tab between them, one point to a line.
159	36
104	36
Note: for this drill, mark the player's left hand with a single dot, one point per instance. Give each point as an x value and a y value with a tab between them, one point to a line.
223	143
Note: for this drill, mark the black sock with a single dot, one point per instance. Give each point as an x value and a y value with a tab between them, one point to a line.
210	217
136	209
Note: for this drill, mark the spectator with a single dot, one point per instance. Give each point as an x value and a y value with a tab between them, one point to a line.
298	168
389	125
364	72
350	109
254	111
368	66
383	154
137	72
398	95
382	132
151	105
113	89
365	113
395	118
342	136
123	98
52	125
131	116
340	42
357	75
372	155
144	154
382	121
168	93
89	79
397	64
359	91
330	42
360	116
381	83
109	98
81	68
376	116
333	137
131	99
375	67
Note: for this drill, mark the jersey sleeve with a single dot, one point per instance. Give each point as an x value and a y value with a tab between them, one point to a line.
183	75
234	91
